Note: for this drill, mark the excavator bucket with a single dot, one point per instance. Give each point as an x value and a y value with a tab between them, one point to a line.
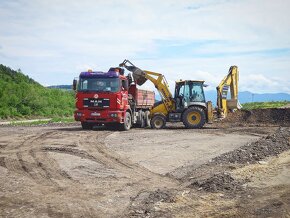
138	75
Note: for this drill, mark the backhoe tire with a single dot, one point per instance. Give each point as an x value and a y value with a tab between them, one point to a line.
147	119
158	122
194	118
86	125
127	122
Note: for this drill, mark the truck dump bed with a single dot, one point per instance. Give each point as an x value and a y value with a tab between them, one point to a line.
143	98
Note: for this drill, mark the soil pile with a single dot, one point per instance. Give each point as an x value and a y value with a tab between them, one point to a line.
274	116
143	205
218	182
270	145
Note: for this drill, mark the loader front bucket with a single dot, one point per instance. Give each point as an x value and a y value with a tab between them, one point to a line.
138	75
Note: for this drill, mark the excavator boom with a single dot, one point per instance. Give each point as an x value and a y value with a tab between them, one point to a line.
229	82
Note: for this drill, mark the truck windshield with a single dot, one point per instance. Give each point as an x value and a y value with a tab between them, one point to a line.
99	84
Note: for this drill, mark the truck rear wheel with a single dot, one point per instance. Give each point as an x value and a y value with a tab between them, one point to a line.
147	119
127	122
141	120
194	118
86	125
158	122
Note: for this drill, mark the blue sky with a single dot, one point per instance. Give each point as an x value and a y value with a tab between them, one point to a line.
52	41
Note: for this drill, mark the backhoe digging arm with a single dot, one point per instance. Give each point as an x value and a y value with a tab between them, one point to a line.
230	81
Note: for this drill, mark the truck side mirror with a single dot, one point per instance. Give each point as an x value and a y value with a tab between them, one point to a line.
125	84
74	86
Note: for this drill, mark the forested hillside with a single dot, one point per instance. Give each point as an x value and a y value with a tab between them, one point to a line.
21	96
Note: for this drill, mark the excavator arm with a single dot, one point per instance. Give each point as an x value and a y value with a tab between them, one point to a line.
159	81
229	82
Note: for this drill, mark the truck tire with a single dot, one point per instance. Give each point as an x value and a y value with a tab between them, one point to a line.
86	125
147	119
127	122
158	122
141	120
194	118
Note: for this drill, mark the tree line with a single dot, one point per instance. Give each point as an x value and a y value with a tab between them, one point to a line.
21	96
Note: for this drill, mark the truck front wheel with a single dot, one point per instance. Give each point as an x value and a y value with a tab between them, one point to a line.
158	122
127	122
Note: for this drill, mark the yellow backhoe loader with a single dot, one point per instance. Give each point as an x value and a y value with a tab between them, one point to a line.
188	104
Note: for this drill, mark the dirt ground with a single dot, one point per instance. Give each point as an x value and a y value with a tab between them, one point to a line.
64	171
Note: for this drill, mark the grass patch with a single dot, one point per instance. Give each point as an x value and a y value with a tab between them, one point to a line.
263	105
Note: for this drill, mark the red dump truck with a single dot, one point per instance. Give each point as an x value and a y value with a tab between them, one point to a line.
111	99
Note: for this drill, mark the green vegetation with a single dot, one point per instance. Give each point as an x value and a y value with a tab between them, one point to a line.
22	97
261	105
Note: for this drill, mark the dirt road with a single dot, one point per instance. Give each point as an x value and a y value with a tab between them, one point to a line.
68	172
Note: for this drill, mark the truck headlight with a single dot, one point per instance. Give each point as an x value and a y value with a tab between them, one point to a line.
114	115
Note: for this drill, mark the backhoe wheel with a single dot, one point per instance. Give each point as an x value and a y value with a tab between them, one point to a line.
147	119
194	118
86	125
127	122
158	122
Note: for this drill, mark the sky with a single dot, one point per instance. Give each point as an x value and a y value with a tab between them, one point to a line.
53	41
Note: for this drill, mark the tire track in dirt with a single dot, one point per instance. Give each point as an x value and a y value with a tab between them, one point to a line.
114	160
82	188
27	163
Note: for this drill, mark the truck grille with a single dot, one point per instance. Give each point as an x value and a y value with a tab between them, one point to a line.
96	102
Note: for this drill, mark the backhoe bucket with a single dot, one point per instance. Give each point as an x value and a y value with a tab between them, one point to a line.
138	75
233	104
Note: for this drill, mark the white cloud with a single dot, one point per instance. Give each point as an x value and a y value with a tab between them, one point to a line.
53	41
260	84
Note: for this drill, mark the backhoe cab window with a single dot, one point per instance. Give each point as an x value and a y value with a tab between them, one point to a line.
191	92
99	84
196	93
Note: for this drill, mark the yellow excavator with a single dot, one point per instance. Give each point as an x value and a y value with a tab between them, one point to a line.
188	104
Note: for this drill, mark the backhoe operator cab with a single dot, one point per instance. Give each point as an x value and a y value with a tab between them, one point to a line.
188	93
190	105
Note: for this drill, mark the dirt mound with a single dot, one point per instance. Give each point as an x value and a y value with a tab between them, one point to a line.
276	116
218	182
143	205
270	145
